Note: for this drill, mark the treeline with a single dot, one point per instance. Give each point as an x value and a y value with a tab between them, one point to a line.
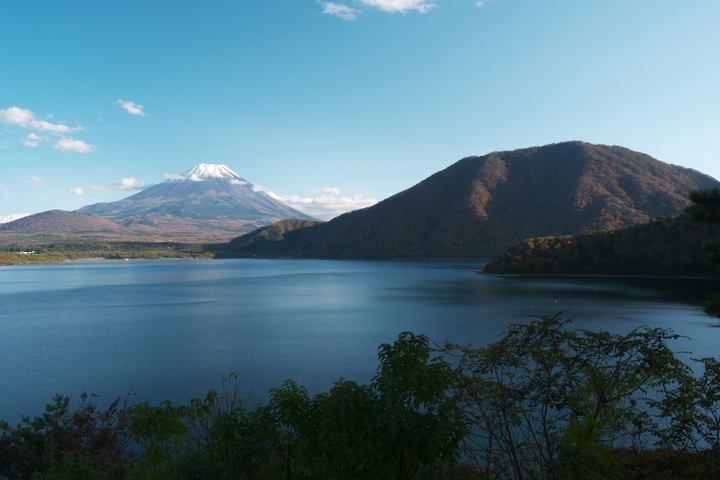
543	402
61	252
663	246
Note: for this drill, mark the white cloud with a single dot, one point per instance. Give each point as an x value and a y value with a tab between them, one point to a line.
334	191
32	140
26	119
5	193
76	191
37	138
173	176
125	184
325	206
70	145
235	181
342	11
4	144
12	217
49	115
402	6
132	108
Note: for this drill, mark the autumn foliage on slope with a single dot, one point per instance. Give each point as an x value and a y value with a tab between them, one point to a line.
663	246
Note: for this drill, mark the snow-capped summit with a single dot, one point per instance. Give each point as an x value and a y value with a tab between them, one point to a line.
208	171
208	200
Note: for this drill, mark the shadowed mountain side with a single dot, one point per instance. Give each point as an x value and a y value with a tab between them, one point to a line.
480	206
662	246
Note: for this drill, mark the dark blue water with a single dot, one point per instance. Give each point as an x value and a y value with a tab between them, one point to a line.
172	329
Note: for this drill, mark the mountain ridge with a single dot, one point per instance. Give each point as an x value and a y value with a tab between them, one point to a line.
480	206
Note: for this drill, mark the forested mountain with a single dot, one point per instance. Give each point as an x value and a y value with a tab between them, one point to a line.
663	246
480	206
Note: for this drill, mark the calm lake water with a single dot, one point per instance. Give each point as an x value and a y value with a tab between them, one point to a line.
172	329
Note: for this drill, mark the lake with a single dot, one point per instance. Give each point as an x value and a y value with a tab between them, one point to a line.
171	329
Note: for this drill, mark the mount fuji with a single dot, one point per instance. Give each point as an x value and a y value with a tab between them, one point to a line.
207	202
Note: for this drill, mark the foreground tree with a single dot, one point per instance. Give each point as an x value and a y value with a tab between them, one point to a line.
402	425
60	444
545	402
705	207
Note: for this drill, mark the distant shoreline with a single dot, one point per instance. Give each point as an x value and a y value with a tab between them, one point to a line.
55	261
598	275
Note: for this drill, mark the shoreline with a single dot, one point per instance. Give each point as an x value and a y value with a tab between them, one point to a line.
541	275
53	261
599	275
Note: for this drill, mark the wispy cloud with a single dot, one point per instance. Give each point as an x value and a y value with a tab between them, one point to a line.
342	11
12	217
132	108
33	140
70	145
76	191
27	119
392	6
127	184
402	6
5	192
33	179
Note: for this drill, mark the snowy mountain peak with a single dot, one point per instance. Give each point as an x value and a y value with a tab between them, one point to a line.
208	171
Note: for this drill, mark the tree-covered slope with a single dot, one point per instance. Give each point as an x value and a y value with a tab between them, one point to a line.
663	246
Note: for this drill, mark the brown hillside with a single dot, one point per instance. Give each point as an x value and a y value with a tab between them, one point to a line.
480	206
62	221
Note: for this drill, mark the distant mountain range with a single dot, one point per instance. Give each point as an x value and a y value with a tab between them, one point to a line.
480	206
61	220
61	225
477	207
208	203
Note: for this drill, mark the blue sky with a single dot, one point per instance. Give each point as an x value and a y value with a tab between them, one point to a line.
361	98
